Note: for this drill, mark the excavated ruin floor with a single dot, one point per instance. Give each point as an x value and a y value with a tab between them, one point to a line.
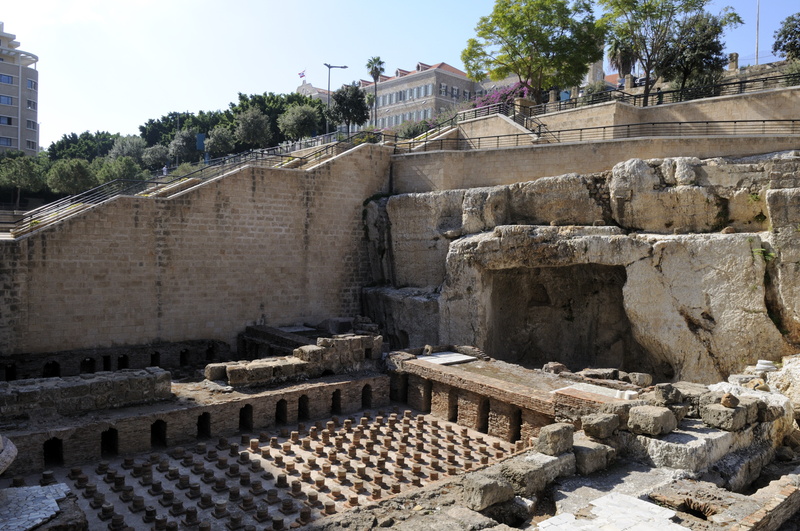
287	476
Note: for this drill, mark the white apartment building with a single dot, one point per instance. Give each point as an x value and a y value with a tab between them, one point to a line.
19	97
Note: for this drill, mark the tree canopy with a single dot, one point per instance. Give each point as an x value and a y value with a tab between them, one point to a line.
695	55
299	121
349	106
21	173
649	26
254	128
84	146
544	43
70	176
787	38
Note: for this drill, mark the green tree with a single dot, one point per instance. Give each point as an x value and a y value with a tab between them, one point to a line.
787	38
70	176
649	26
299	121
543	42
128	146
220	141
21	173
120	168
621	56
349	106
253	128
184	146
375	68
155	157
696	52
84	146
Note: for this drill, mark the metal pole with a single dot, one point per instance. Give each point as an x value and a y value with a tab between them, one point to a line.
758	19
327	118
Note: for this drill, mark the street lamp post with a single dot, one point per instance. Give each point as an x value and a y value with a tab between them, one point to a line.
327	118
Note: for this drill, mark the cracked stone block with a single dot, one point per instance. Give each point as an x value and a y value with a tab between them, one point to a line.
591	456
651	420
482	491
724	418
555	439
600	425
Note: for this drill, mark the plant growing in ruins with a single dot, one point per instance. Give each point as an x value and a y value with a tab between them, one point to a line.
544	43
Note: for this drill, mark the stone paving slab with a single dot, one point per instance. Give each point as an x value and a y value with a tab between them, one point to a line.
616	512
24	508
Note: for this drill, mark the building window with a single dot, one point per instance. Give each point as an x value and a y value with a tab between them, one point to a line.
442	89
31	125
6	100
6	120
9	80
33	85
466	94
5	141
455	92
417	92
30	144
31	105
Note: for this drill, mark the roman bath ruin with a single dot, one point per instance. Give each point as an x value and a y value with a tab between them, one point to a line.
436	334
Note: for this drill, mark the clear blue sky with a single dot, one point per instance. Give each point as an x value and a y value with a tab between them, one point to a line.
109	65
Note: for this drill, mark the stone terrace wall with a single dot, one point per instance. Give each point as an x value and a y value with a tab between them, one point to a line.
258	245
768	105
79	394
450	170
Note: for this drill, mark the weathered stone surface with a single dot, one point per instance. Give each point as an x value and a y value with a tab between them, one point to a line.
409	317
564	199
665	394
787	380
642	379
591	456
651	420
729	400
481	491
600	425
531	474
724	418
555	367
677	298
555	439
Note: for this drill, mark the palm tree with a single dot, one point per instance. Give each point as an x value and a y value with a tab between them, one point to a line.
621	56
375	68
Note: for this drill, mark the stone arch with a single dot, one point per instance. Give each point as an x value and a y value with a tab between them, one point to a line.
51	369
281	412
246	418
366	397
158	434
53	452
109	443
88	366
336	402
204	425
302	408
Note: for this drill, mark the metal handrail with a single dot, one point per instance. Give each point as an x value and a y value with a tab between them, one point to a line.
671	96
612	132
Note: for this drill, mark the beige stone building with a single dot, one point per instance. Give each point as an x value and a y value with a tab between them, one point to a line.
418	94
19	97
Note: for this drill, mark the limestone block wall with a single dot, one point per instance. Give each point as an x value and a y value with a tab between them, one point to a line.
258	245
425	172
768	105
80	394
336	355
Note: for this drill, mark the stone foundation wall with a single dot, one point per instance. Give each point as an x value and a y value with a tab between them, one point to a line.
81	438
76	395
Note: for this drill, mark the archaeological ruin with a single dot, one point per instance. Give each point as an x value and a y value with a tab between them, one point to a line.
585	319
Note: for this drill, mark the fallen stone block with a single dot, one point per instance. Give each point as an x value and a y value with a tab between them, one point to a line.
600	425
481	491
724	418
216	371
530	475
642	379
651	420
591	456
555	439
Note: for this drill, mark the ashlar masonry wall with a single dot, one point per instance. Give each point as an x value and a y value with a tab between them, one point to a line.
258	245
